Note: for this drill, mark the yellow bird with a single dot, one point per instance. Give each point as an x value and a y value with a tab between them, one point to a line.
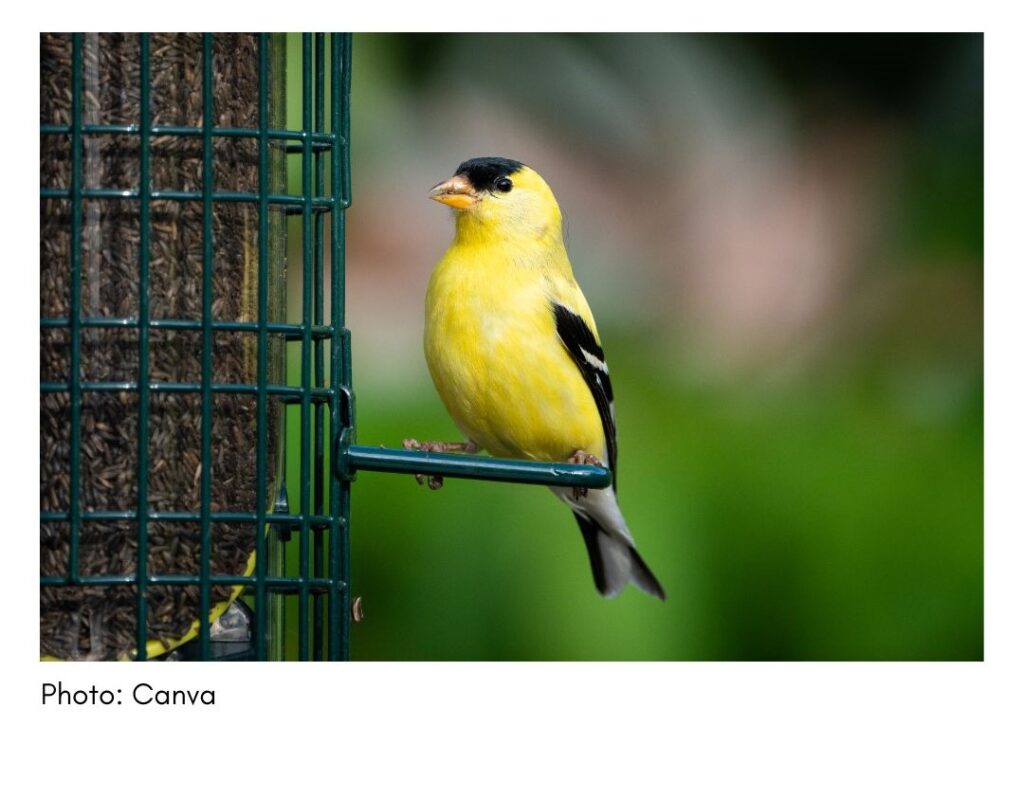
513	350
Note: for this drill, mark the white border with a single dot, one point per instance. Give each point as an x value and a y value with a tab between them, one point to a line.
535	729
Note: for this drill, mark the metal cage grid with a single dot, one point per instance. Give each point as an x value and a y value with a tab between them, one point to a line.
317	514
329	457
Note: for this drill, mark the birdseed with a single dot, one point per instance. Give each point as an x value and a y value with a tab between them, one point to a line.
99	622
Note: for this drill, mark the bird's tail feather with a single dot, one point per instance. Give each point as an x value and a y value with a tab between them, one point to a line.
614	561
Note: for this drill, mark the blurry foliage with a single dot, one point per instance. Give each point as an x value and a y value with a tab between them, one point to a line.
821	523
832	511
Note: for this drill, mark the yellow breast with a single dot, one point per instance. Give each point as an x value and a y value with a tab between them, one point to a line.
496	360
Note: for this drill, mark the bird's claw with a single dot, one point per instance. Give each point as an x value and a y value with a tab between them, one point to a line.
579	457
434	482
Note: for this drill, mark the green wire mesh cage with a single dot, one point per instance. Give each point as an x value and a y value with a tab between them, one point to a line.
164	333
170	493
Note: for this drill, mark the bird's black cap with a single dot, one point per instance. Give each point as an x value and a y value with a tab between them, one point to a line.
482	172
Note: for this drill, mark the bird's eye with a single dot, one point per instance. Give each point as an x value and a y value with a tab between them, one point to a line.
503	185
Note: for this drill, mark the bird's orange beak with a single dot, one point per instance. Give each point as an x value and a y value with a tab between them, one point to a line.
457	192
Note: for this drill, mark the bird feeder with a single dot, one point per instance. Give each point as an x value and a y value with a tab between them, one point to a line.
177	519
163	331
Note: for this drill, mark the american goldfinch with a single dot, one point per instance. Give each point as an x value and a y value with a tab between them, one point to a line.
513	350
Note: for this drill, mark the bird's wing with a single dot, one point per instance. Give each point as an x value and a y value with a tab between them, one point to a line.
580	342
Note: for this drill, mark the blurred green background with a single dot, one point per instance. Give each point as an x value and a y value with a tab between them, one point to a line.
781	239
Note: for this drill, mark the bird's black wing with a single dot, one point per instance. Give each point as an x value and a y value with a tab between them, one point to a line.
582	346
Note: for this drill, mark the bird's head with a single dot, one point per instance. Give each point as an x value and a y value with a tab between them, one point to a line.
499	196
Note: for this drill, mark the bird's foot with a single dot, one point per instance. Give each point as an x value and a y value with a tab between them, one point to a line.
440	446
434	482
579	457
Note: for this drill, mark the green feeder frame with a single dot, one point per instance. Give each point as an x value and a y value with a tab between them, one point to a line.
329	457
